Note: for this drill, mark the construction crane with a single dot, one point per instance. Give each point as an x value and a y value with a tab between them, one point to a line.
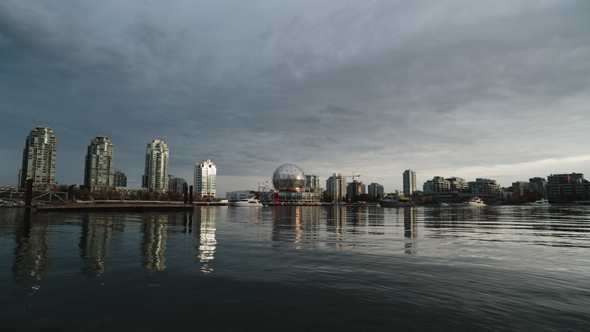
353	176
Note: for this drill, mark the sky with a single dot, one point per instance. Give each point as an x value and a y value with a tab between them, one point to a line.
492	89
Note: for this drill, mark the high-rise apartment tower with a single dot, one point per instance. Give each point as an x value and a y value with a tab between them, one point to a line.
312	181
98	169
336	185
205	179
409	182
156	166
39	159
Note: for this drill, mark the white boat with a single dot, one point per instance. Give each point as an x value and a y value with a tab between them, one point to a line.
541	202
474	201
445	204
251	202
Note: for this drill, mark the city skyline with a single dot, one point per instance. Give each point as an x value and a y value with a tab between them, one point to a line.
474	90
99	163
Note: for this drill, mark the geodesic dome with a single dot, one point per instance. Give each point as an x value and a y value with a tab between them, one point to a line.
288	177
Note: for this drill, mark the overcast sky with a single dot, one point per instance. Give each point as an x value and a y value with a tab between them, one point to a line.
494	89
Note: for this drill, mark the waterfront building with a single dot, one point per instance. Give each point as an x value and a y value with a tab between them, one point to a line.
409	182
539	185
39	159
458	184
98	168
289	182
119	179
176	184
484	187
205	179
574	188
376	190
312	181
156	166
355	188
506	193
437	185
555	180
519	188
336	186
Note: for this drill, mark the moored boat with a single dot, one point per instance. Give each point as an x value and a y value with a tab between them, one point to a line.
394	201
541	202
248	202
474	201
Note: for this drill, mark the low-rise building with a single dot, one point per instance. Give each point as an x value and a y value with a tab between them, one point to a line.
519	188
484	187
554	181
437	185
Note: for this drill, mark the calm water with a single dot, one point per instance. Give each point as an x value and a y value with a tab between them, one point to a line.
297	269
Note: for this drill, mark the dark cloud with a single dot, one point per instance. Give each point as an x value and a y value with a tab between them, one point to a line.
380	86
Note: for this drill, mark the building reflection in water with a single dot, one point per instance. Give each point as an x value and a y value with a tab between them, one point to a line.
31	260
336	225
376	217
410	229
205	219
296	224
153	241
358	218
95	241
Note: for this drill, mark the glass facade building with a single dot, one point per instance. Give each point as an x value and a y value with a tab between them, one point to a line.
336	186
409	182
176	184
98	169
39	160
205	179
119	179
156	166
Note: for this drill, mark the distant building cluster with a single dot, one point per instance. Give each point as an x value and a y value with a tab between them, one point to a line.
39	158
554	185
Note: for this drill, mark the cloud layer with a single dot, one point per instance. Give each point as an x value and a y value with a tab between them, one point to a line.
377	87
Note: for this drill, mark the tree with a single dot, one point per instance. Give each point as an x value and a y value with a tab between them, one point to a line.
364	198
